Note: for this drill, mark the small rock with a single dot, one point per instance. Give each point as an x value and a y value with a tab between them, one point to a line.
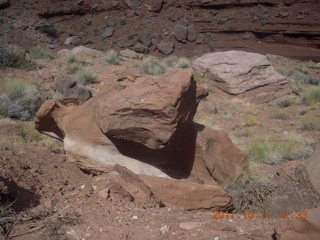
146	39
104	193
164	229
180	33
74	40
153	5
140	48
134	217
191	225
192	35
127	53
166	47
108	32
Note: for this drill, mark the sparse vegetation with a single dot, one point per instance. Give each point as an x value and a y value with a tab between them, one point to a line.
198	78
71	58
14	58
174	61
19	100
152	66
49	30
310	123
284	102
251	121
112	57
123	21
182	63
280	115
312	96
276	151
73	68
86	77
250	194
41	53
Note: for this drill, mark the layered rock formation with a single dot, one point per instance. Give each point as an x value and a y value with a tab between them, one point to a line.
148	128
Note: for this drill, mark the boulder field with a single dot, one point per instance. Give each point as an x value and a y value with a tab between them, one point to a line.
148	128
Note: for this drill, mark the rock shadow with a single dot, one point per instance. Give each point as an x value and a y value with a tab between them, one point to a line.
22	198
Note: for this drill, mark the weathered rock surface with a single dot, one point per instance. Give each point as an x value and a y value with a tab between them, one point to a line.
153	5
148	128
180	32
183	193
242	73
108	32
69	88
121	183
313	168
48	8
297	230
294	190
166	47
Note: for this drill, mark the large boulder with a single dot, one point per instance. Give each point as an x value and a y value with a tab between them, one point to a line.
242	73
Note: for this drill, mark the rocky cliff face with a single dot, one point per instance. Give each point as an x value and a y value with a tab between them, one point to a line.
288	28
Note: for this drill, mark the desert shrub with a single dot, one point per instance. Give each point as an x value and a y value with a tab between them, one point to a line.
19	100
250	195
14	59
49	30
301	80
14	89
313	65
86	77
182	63
312	96
276	151
152	66
251	121
310	123
170	61
112	57
22	108
123	21
73	68
71	58
280	115
41	53
284	102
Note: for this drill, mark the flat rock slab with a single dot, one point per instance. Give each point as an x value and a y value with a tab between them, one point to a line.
242	73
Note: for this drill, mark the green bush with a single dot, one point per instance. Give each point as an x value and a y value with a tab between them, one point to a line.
280	115
49	30
310	123
276	151
123	21
86	77
72	58
112	57
182	63
170	61
14	89
73	67
152	66
41	53
284	102
15	59
312	96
